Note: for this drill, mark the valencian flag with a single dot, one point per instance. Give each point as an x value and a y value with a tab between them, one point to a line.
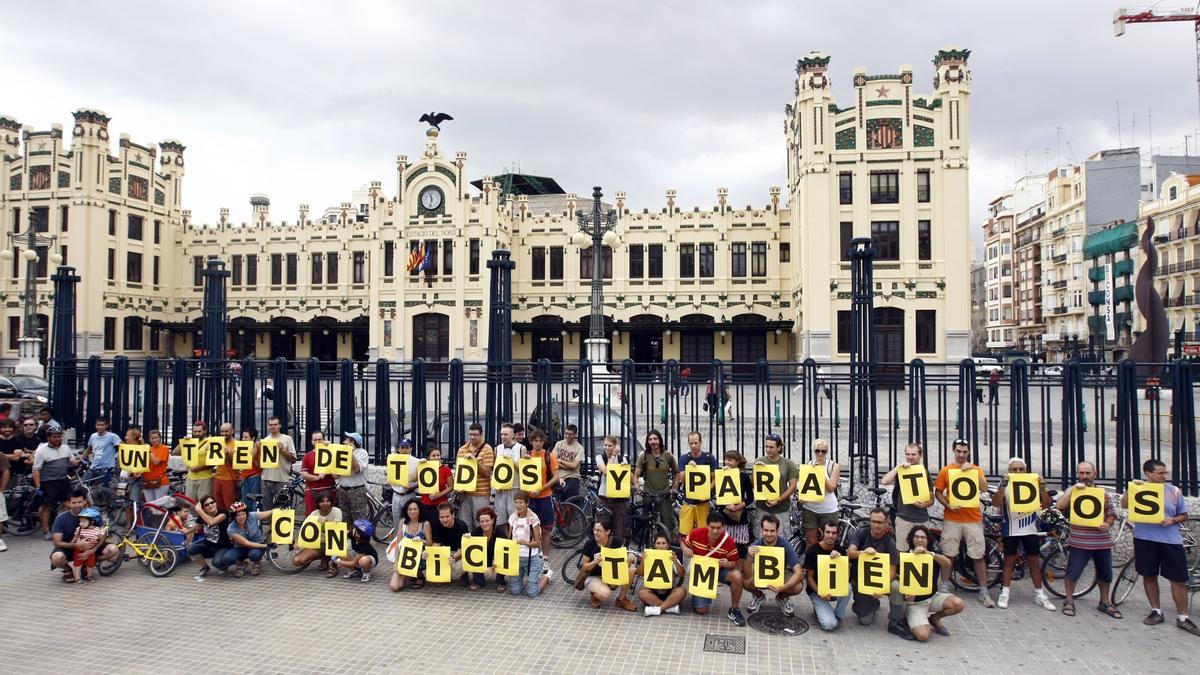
416	258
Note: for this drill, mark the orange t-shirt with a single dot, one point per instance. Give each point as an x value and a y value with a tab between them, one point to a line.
225	471
963	515
158	471
546	476
255	469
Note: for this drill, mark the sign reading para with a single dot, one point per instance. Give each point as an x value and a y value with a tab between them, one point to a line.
619	479
334	458
963	488
703	575
530	472
697	482
833	576
1087	506
504	473
474	554
133	458
466	475
1024	493
243	455
769	566
914	484
428	472
658	569
874	573
767	484
397	468
811	485
916	573
727	486
283	524
214	450
1147	503
268	453
614	566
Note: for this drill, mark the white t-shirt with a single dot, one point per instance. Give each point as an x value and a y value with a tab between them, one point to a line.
522	528
513	453
830	504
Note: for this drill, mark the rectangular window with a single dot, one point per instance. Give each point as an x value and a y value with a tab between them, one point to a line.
276	269
389	255
473	269
556	262
926	331
708	267
585	262
110	333
924	241
133	267
292	264
318	269
758	259
16	219
538	264
133	333
359	270
637	255
64	219
236	270
845	331
154	271
112	264
654	261
157	232
431	257
135	227
40	218
923	185
737	259
14	332
42	268
846	187
154	346
847	233
62	250
785	252
197	271
331	268
447	257
886	234
251	270
687	261
885	187
112	223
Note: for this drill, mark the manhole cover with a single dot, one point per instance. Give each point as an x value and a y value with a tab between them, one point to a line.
724	644
777	623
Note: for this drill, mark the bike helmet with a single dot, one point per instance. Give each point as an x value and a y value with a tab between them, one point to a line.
364	526
53	428
237	506
91	513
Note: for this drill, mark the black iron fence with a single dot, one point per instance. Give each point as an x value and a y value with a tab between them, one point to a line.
1116	416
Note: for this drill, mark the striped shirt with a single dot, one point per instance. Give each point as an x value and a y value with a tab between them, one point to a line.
1091	538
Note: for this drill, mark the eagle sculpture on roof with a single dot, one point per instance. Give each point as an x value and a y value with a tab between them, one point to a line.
435	119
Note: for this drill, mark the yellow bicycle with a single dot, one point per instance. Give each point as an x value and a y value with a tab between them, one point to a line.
152	548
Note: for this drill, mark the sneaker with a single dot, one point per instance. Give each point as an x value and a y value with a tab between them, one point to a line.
672	610
785	604
3	546
900	630
46	536
366	576
1002	600
1153	618
351	574
651	610
549	574
1042	601
735	615
1188	625
200	576
756	602
986	599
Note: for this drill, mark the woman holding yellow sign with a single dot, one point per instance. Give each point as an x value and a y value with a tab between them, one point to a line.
924	611
615	479
1019	498
734	507
415	527
662	589
602	538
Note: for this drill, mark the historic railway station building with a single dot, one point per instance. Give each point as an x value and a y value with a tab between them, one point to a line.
690	283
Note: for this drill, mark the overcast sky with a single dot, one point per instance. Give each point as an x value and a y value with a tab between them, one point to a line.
307	101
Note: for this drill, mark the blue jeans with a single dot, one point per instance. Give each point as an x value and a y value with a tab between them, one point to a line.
531	570
251	486
229	556
828	615
108	475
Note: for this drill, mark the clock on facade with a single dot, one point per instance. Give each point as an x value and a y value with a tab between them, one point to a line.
431	199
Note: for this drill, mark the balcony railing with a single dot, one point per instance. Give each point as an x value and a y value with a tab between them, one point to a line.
1061	283
1060	310
1061	257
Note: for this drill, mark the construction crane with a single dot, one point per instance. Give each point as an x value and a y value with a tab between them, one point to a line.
1126	15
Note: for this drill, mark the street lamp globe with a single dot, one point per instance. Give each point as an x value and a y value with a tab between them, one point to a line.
611	239
579	239
55	259
30	255
6	254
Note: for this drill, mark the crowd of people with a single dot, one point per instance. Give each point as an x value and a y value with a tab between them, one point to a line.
229	530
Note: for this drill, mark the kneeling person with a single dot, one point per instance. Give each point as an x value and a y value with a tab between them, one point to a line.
924	613
448	531
792	584
659	600
714	542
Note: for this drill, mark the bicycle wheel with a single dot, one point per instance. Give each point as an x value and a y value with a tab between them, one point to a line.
280	557
384	527
571	565
963	575
570	527
586	506
1125	582
160	558
108	567
1054	571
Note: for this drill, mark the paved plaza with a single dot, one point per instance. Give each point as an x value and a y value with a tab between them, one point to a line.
134	623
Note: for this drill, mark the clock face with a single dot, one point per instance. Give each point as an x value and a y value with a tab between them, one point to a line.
431	198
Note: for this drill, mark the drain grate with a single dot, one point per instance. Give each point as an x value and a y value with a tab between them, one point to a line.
776	623
724	644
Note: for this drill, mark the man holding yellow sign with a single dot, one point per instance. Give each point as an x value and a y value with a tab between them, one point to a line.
774	565
874	555
778	499
830	611
1157	509
1019	497
958	487
1088	541
923	608
912	494
714	543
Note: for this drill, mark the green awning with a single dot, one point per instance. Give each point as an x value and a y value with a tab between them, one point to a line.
1110	241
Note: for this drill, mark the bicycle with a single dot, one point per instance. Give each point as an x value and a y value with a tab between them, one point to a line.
570	524
152	549
24	504
1126	580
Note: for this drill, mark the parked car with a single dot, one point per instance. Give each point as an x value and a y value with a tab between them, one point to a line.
605	421
986	365
24	386
1052	371
364	423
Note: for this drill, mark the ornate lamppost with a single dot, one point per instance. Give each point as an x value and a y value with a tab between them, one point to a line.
30	345
598	229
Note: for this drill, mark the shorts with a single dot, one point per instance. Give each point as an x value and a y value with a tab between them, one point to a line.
722	578
544	508
664	594
692	516
1154	558
818	521
954	533
1077	560
1029	543
55	492
133	490
903	527
68	555
917	613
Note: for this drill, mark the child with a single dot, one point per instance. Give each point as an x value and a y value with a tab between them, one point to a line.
363	556
88	537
